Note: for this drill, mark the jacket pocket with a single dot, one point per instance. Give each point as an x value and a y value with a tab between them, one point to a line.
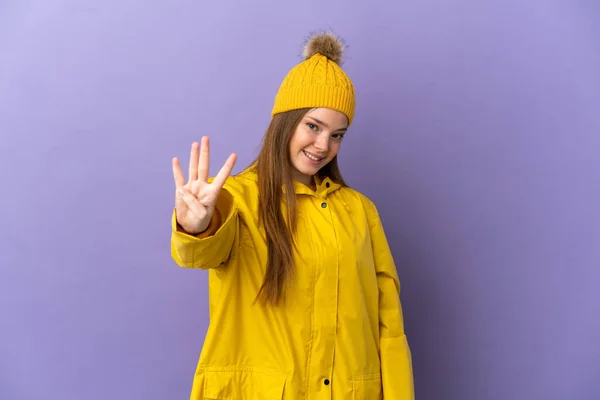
243	384
367	387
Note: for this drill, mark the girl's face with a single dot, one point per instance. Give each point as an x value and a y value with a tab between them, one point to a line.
316	141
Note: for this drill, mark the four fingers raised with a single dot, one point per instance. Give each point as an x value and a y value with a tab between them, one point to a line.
199	166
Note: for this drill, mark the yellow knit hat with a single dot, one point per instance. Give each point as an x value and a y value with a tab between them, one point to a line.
318	81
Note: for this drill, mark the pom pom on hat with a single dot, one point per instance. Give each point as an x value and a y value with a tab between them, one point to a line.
326	44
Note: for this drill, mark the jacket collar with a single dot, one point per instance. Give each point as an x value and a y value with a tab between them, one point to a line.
324	186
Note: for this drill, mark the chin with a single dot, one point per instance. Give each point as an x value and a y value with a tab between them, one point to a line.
305	168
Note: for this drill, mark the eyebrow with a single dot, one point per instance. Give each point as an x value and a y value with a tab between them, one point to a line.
325	125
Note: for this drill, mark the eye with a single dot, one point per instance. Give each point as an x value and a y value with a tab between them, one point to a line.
312	126
338	136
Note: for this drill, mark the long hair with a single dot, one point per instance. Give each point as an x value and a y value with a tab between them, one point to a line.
276	193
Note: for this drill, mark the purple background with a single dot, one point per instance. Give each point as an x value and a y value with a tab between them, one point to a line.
477	133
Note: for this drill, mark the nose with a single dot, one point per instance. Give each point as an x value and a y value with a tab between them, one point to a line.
322	142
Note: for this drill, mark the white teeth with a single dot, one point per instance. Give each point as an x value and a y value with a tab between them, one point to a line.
312	157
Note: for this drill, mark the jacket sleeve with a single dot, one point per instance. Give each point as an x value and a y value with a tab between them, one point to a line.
213	247
395	355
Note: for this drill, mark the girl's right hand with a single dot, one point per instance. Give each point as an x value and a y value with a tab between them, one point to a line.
195	200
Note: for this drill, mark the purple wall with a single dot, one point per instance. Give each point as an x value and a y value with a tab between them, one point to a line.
477	133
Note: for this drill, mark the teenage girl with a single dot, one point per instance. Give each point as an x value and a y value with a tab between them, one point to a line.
304	293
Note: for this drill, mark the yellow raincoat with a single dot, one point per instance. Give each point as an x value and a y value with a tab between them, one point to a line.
339	335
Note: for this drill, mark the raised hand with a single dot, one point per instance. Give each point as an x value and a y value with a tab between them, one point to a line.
195	200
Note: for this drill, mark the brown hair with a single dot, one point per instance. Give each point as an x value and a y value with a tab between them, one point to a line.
274	170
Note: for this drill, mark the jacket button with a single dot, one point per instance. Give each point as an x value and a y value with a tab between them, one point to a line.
326	381
323	205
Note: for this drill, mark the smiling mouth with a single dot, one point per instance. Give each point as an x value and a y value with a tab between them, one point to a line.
312	157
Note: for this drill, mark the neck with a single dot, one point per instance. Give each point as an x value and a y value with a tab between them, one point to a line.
304	179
